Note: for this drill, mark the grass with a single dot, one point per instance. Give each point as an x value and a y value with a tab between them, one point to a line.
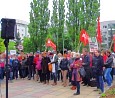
109	93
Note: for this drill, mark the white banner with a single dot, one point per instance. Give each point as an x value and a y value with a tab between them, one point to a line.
93	45
12	52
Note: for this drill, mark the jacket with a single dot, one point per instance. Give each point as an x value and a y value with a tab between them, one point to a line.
98	63
86	60
64	64
109	62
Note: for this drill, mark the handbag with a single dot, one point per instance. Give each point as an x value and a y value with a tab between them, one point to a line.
50	67
82	71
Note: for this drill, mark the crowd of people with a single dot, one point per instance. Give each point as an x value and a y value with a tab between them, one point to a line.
78	68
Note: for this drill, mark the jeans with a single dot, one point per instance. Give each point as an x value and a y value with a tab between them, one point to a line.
46	76
11	75
23	72
1	73
16	72
100	83
70	75
55	77
77	84
59	74
107	76
31	71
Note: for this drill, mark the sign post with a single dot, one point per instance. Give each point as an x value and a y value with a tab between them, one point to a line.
20	47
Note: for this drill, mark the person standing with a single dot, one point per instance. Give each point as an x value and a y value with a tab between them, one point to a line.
30	66
2	65
15	64
86	65
44	66
75	73
98	63
108	68
54	63
64	65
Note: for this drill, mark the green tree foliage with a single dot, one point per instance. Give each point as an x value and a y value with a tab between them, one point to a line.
89	12
54	23
2	47
72	22
82	14
28	45
11	45
64	31
61	11
39	18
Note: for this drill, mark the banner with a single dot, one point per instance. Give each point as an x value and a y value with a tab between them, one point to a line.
93	45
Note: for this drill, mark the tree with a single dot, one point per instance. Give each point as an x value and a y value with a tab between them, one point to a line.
2	47
28	45
89	12
72	22
11	45
54	22
39	18
82	14
61	10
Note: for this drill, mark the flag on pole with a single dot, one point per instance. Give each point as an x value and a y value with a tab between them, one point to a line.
84	37
99	37
49	43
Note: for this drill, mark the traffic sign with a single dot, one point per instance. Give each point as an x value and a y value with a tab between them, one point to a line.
20	47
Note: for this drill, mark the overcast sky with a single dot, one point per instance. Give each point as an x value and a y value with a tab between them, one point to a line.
19	9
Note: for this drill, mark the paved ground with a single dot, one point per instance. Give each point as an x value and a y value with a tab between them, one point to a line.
33	89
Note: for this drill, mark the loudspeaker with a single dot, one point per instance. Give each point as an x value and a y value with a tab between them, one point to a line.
8	27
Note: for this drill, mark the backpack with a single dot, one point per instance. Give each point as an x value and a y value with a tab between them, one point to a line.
38	65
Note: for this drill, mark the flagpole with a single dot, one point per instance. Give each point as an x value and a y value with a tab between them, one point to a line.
79	46
100	46
111	45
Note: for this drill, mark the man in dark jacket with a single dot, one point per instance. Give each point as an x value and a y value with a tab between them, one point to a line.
30	66
86	65
98	65
44	66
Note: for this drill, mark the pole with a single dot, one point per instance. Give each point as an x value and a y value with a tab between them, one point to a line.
79	47
63	41
111	45
6	42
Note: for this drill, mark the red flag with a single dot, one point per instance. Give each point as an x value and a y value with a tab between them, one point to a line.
99	37
113	37
84	37
49	43
114	47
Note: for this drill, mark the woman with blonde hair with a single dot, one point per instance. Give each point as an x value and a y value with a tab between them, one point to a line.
75	73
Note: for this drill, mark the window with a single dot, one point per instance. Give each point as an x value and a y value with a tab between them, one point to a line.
104	26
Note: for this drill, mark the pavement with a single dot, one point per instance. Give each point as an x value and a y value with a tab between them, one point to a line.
32	89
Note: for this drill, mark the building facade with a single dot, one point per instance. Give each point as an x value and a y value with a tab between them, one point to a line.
107	30
22	29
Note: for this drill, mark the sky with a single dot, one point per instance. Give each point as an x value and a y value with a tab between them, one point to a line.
19	9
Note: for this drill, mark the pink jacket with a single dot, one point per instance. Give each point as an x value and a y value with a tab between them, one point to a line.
2	64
